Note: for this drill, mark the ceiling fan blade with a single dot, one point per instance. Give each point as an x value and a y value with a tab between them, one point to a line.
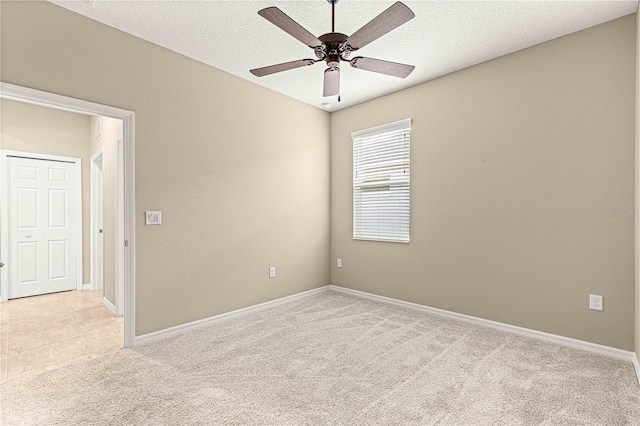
331	82
272	69
388	20
383	67
284	22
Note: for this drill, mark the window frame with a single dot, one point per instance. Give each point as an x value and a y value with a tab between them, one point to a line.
395	174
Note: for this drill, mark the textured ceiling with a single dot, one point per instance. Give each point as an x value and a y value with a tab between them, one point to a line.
445	36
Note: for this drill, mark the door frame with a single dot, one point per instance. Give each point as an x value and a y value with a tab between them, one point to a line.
97	213
4	212
120	220
51	100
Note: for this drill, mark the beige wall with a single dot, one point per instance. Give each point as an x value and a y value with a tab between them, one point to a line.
110	129
40	130
514	164
239	172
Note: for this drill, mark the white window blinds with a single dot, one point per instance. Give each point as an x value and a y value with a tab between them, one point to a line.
381	182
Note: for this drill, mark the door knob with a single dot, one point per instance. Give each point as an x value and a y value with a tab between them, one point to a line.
1	264
101	231
28	235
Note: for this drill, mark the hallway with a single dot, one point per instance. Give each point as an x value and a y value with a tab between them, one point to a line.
45	332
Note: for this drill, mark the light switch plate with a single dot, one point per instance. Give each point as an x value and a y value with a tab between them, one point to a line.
153	217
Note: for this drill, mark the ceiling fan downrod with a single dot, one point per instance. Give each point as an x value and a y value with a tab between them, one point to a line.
333	14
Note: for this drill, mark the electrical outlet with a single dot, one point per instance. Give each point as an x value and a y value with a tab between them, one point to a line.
595	302
339	263
272	272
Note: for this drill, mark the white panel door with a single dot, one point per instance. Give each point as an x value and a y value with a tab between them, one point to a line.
43	227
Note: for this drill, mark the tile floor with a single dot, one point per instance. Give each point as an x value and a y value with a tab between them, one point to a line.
44	332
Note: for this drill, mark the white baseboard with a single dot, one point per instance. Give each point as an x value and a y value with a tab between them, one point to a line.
109	305
636	366
183	328
88	286
540	335
548	337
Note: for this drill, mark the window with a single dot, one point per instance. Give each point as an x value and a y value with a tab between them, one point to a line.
381	182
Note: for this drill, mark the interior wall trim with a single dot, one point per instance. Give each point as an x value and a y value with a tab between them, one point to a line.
109	306
636	366
155	336
540	335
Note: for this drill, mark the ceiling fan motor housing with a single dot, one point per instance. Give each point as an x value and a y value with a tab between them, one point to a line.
333	43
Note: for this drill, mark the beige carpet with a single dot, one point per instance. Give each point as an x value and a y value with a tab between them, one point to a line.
333	359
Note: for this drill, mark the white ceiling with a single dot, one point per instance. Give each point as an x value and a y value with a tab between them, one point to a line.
444	37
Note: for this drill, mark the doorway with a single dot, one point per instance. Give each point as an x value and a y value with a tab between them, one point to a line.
125	216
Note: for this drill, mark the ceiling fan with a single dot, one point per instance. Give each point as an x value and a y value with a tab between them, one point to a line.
334	47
